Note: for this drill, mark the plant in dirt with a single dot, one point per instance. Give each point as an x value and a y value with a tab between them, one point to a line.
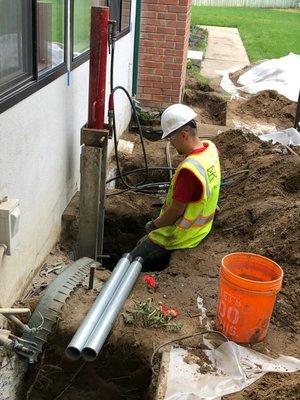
193	74
149	115
146	314
198	38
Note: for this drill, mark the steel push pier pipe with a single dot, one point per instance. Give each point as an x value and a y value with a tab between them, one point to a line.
87	326
105	323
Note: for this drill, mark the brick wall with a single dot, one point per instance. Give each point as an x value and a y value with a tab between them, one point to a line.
165	29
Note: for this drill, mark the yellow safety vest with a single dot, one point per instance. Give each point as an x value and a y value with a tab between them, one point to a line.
196	222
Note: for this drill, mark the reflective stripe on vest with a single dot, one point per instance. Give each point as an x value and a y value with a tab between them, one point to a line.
201	170
184	223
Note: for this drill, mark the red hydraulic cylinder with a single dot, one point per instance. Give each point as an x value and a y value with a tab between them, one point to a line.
98	60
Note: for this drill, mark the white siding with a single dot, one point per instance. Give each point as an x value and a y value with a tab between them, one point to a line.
39	162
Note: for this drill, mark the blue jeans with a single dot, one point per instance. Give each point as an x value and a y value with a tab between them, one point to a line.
155	257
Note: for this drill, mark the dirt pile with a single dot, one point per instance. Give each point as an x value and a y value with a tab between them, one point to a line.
259	212
211	108
269	104
262	211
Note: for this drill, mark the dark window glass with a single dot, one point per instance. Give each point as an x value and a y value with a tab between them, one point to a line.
125	14
120	12
15	43
50	34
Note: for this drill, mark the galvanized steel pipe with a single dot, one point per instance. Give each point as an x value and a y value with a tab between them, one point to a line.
80	338
105	323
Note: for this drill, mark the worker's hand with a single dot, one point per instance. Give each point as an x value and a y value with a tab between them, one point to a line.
149	227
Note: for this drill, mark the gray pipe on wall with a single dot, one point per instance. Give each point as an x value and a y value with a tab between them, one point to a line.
105	323
87	326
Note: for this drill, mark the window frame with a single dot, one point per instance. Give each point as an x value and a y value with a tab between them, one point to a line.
76	61
36	81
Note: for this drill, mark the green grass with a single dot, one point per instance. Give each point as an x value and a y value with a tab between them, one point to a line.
57	19
82	12
266	33
82	22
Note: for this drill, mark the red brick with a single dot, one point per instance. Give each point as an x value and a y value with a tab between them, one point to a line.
173	52
184	2
153	22
177	9
155	7
164	85
149	14
149	28
157	97
152	64
165	30
171	2
146	96
171	79
167	15
147	84
176	24
176	72
152	57
168	59
148	71
180	32
153	78
153	50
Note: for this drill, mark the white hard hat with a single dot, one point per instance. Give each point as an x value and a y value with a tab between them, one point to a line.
174	117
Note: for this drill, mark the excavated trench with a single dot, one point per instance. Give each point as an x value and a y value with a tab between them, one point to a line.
122	369
120	372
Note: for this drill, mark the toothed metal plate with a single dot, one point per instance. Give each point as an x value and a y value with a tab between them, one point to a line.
52	302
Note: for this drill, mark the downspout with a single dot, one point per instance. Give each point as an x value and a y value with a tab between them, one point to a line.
137	31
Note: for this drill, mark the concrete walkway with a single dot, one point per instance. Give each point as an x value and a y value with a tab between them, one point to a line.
224	50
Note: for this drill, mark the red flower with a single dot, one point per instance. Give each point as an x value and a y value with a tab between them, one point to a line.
150	281
168	311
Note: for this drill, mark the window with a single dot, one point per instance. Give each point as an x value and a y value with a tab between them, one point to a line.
41	39
15	43
50	34
120	11
82	24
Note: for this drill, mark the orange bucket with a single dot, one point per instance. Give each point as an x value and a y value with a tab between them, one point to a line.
248	287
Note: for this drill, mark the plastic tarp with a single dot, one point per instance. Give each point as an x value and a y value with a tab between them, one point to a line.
288	137
280	74
235	367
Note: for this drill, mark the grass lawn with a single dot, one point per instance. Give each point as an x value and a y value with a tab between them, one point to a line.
82	13
266	33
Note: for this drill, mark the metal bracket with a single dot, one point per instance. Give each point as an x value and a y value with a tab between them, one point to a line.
92	191
94	137
50	306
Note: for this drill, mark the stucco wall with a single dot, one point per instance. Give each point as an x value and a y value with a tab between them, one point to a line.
39	162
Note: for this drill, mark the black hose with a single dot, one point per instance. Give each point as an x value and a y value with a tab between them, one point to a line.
145	188
134	171
113	90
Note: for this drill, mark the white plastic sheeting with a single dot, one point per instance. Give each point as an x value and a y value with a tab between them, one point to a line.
236	367
288	137
280	74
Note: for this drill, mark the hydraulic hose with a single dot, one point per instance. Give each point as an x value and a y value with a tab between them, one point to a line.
135	171
112	116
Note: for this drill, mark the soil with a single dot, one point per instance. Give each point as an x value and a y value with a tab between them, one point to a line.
259	212
210	107
198	357
267	106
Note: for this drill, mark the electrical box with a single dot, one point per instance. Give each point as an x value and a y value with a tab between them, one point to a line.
9	223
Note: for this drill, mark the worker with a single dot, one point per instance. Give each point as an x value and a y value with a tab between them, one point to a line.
187	214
